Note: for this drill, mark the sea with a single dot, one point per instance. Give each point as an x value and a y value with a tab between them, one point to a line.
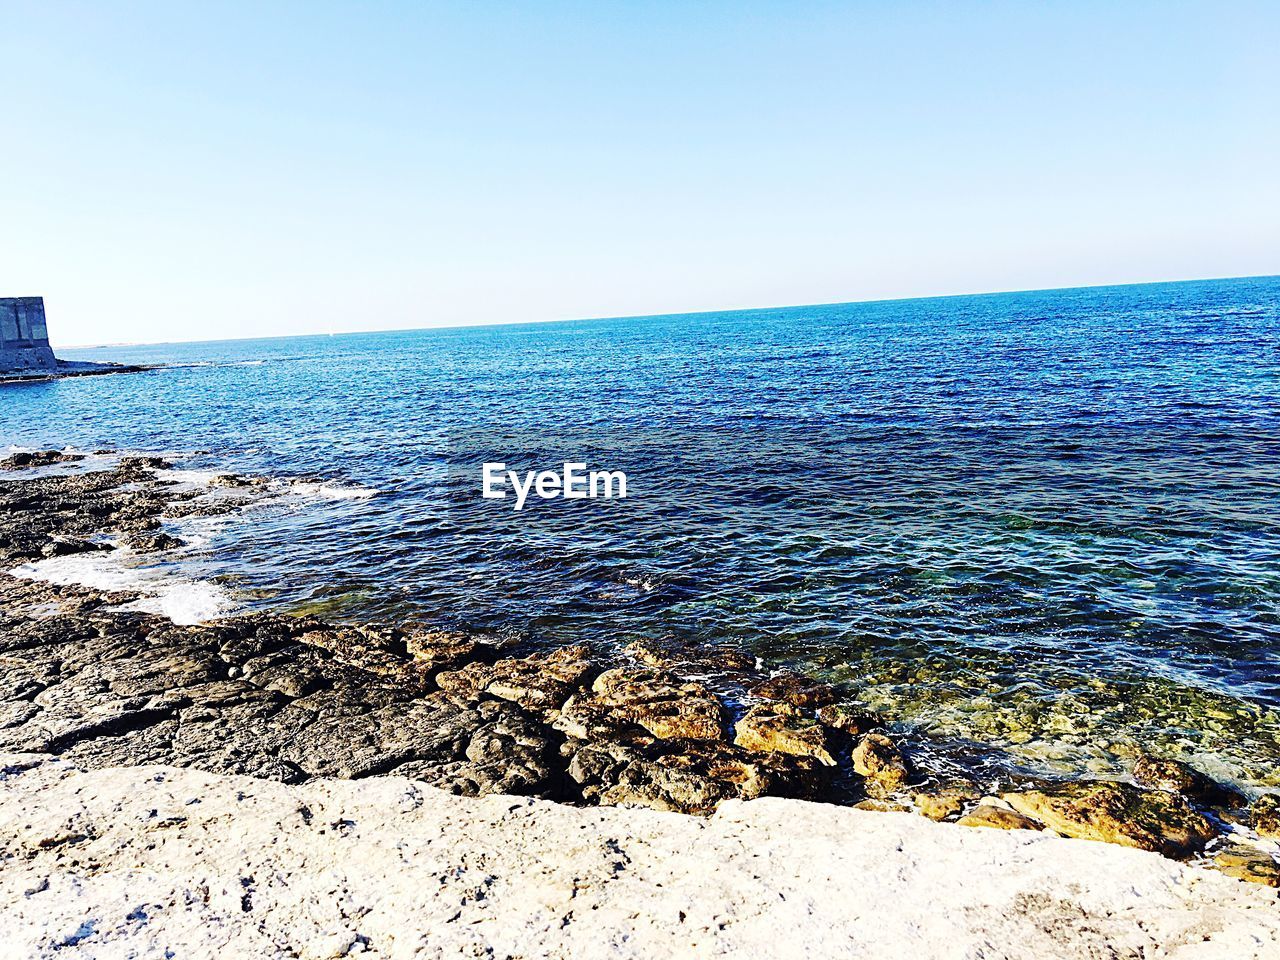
1037	531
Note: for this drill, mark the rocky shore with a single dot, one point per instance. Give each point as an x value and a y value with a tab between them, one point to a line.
296	698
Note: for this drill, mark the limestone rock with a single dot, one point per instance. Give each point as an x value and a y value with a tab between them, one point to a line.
795	690
778	728
989	815
1247	863
665	705
1117	813
38	458
878	760
692	776
541	682
848	719
435	650
1177	777
941	804
1265	815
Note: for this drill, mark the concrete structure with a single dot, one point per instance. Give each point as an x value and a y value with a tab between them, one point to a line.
24	337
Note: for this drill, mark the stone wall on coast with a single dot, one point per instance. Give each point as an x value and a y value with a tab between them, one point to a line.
24	336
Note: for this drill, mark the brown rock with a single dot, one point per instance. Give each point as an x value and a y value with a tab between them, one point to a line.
1117	813
847	719
662	703
940	805
779	728
1265	815
796	690
540	682
989	815
440	649
690	776
1247	863
881	806
878	759
1177	777
669	654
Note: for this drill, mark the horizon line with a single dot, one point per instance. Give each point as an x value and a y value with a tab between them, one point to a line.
649	316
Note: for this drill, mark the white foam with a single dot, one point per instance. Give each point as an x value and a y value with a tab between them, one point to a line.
190	478
181	599
332	491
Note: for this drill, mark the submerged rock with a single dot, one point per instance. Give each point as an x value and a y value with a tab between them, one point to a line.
878	760
795	690
778	728
1117	813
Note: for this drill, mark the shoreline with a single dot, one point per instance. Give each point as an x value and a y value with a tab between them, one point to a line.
298	700
68	369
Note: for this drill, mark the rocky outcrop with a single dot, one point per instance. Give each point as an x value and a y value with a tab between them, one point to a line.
880	762
662	703
793	689
1265	815
1117	813
1175	776
39	458
997	817
779	728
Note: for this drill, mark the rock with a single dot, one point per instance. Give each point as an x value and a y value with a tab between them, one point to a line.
1177	777
235	480
941	804
848	719
989	815
796	690
668	654
541	682
882	806
1264	815
692	776
136	463
151	542
436	650
65	546
1117	813
662	703
878	760
779	728
1247	863
39	458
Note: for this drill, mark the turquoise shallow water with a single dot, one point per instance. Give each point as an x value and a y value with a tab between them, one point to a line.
1037	528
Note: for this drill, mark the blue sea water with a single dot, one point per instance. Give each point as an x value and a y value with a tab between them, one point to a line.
1035	529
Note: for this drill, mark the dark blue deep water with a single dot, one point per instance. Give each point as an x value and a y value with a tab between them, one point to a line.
1037	527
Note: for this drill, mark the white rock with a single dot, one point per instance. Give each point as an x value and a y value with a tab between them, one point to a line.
135	862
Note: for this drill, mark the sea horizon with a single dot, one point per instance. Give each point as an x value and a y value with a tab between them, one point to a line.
673	315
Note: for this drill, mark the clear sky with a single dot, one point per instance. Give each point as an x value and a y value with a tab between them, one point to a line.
185	171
